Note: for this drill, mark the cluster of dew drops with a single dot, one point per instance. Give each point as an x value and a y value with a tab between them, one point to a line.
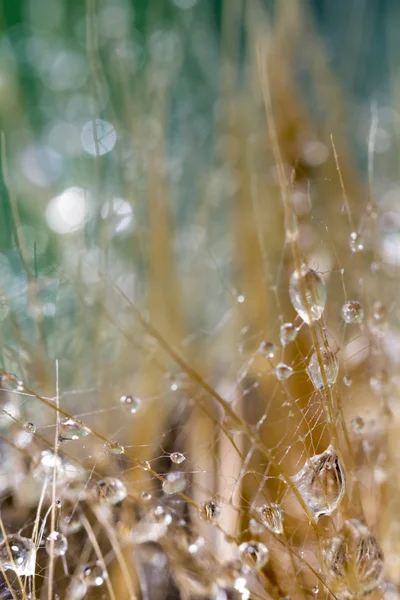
321	484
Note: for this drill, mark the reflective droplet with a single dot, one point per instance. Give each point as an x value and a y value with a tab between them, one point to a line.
255	527
18	554
356	242
283	371
268	349
378	322
347	381
98	137
174	483
321	482
145	466
152	527
353	312
93	575
114	448
254	555
271	517
177	458
71	430
357	425
56	544
196	545
30	427
353	560
210	511
130	403
330	365
308	294
381	383
70	524
287	333
77	590
146	496
111	490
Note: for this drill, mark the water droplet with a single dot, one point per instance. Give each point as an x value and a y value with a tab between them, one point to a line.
255	527
146	496
111	490
357	425
177	458
93	575
268	349
65	471
287	333
196	545
356	242
308	294
353	312
283	371
378	322
152	527
254	555
18	554
381	383
354	560
30	427
271	516
71	524
210	511
114	448
174	483
330	365
56	544
145	466
130	403
77	590
321	482
178	381
348	382
71	430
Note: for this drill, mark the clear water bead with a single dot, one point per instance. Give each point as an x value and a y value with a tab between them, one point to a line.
56	544
111	490
307	293
210	511
114	448
356	242
271	517
71	430
353	312
283	371
130	403
321	482
30	427
353	560
357	425
18	554
71	524
255	527
268	349
177	458
378	322
287	333
93	575
330	366
174	483
254	555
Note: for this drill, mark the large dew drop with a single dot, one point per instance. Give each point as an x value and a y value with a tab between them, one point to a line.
353	561
254	555
330	366
56	544
93	575
271	517
308	294
111	491
18	554
210	511
174	483
352	312
71	430
321	482
287	333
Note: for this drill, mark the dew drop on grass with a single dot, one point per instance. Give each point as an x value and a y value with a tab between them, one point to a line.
254	555
174	483
210	511
287	333
18	554
330	365
56	544
352	312
111	490
307	293
93	575
283	371
130	403
69	429
378	322
177	458
321	482
271	517
356	242
268	349
30	427
353	560
114	448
